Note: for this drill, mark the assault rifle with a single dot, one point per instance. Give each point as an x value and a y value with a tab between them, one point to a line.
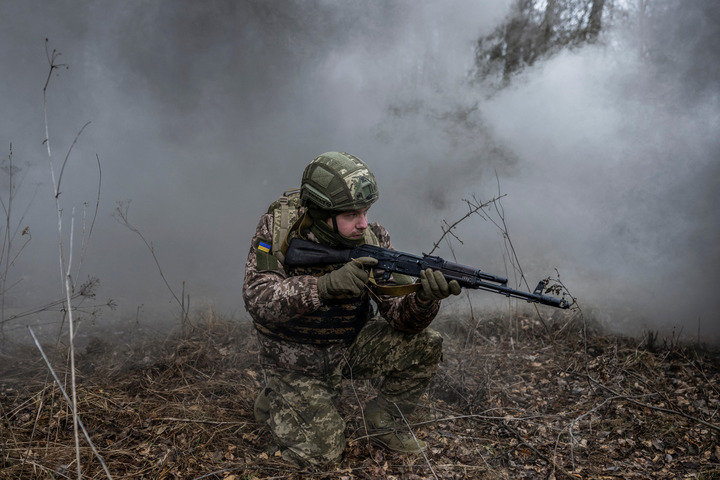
304	253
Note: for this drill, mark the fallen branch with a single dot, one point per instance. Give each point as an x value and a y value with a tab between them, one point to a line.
656	408
192	420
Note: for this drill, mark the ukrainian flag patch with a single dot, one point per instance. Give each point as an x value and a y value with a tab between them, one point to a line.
264	247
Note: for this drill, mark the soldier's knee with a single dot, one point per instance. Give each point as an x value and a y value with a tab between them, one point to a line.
434	338
432	345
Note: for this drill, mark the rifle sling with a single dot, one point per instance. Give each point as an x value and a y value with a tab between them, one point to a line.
394	290
302	223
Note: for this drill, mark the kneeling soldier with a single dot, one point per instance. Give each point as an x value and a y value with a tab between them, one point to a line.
316	325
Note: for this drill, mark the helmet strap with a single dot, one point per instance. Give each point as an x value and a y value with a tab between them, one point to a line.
330	235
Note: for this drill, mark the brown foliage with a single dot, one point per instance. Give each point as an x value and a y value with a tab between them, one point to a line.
514	401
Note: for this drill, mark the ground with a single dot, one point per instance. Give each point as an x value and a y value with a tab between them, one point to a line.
513	399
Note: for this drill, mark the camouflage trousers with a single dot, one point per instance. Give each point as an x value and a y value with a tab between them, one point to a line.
300	409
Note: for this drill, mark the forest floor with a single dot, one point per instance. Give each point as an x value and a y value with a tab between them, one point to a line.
512	400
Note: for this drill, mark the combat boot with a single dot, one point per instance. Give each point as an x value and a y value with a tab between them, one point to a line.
389	431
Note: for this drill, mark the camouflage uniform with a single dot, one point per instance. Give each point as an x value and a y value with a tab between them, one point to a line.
304	380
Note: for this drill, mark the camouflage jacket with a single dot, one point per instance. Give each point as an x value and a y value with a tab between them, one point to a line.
271	295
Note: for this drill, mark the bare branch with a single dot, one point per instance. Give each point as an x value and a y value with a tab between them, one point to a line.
51	57
472	210
86	240
121	215
62	169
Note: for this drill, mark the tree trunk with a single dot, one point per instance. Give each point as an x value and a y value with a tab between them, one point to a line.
595	20
514	36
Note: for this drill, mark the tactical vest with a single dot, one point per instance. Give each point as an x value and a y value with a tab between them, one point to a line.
335	321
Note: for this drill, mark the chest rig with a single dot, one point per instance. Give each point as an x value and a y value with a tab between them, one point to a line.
335	321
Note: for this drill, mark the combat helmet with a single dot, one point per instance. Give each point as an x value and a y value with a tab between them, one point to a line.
338	182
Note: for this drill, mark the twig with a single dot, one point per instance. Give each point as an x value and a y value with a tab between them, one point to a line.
86	240
121	215
72	405
67	155
473	323
473	210
192	420
500	211
224	470
40	466
481	417
9	428
45	307
416	441
357	397
570	431
576	306
65	269
71	333
659	409
531	447
51	57
37	419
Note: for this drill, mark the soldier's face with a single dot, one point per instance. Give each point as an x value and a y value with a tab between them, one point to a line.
352	224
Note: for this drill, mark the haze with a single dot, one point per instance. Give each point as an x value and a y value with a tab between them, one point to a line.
204	112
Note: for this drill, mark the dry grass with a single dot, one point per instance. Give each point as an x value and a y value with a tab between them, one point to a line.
511	401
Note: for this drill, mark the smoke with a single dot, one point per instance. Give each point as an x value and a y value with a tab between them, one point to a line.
203	113
621	151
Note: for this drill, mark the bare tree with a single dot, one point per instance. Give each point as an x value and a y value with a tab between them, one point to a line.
535	29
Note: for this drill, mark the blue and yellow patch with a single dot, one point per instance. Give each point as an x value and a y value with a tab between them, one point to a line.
265	260
264	247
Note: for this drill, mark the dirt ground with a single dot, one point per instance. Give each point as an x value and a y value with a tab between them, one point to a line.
512	400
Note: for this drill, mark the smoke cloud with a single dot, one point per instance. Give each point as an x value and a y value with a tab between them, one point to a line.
203	113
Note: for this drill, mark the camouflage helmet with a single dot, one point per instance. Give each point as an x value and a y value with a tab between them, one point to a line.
337	182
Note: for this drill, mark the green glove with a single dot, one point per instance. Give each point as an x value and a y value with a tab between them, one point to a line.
435	287
347	281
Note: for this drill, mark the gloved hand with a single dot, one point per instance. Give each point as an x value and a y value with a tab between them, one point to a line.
435	287
347	281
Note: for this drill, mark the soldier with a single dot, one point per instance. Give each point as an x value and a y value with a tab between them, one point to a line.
316	325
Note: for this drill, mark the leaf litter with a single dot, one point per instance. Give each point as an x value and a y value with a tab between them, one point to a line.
511	400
